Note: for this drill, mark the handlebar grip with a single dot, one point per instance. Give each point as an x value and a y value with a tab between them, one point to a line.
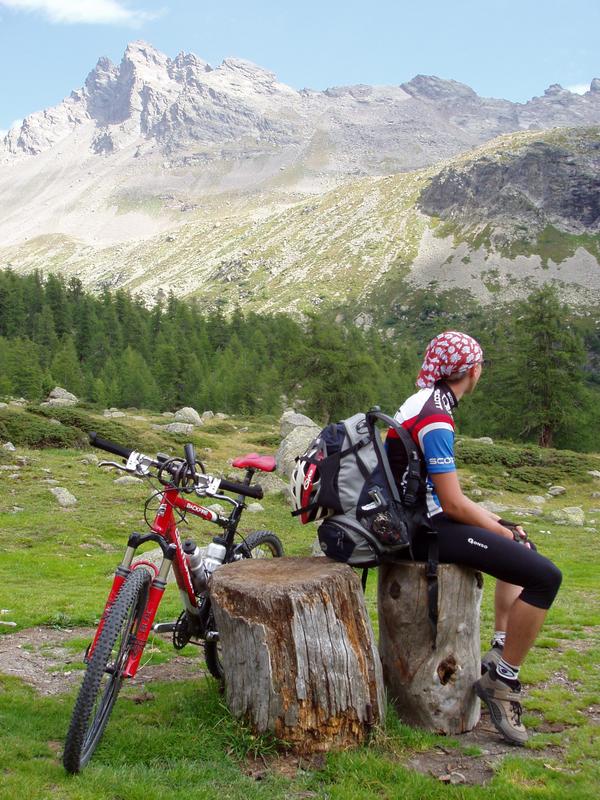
255	491
110	447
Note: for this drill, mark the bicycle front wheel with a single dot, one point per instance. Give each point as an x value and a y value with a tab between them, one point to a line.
258	544
104	674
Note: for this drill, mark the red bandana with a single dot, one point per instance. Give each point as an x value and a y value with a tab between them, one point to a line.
450	353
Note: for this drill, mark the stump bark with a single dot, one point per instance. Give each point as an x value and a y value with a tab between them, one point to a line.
299	654
432	689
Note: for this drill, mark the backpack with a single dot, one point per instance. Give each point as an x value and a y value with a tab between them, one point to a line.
344	478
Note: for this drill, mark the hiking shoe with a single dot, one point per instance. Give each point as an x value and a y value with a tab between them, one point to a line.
504	704
493	656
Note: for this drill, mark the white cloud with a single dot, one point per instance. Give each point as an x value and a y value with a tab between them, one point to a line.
579	88
83	11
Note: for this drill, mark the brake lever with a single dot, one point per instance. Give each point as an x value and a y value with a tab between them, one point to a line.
207	485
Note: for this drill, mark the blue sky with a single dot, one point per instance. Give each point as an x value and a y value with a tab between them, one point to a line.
502	48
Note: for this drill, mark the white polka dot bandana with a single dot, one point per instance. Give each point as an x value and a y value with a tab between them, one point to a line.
449	355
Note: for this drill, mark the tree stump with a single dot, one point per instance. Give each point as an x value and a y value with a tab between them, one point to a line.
299	654
432	689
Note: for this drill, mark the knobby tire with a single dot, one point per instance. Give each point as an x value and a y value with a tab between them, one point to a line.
259	544
96	697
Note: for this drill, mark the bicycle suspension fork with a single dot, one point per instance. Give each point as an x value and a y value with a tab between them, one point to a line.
155	594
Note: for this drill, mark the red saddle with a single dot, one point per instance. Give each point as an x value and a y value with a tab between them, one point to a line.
254	461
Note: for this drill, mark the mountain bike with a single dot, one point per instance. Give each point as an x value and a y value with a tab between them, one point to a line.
138	585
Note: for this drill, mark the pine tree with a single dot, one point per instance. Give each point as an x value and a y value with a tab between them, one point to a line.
545	377
65	367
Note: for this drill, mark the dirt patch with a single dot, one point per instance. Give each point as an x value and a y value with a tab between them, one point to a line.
451	765
40	657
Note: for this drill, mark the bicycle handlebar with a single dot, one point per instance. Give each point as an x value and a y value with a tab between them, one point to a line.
110	447
255	492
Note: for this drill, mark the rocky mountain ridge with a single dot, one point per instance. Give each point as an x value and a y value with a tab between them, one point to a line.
170	105
167	174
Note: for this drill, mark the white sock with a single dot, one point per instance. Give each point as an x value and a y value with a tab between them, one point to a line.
507	671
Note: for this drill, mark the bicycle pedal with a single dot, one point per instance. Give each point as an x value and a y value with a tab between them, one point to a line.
163	627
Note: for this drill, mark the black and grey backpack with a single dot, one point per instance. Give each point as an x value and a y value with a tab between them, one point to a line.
344	478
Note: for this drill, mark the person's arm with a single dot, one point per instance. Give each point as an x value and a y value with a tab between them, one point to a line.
460	508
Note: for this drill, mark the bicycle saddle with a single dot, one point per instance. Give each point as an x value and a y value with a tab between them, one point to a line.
254	461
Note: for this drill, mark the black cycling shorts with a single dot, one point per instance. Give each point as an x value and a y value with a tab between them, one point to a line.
495	555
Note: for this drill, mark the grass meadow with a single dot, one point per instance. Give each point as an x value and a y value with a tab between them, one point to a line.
173	737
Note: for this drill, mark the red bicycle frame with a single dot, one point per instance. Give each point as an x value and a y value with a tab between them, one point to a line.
164	531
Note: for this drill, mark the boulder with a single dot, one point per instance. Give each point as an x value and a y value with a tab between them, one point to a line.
536	499
594	473
58	402
495	508
9	446
178	427
555	491
271	483
208	415
293	445
290	420
572	515
188	415
58	393
64	497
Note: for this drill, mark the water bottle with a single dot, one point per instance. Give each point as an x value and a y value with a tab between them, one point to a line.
195	561
215	555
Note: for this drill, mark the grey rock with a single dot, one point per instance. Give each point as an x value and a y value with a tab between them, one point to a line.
484	440
54	421
526	512
90	458
294	444
8	467
271	483
291	420
591	530
594	510
495	508
178	427
127	480
555	491
64	497
571	515
536	499
217	508
9	446
167	414
16	509
254	508
595	495
3	405
58	402
113	414
221	415
315	549
58	393
188	415
207	415
594	473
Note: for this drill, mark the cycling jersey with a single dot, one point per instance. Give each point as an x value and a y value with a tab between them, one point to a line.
427	416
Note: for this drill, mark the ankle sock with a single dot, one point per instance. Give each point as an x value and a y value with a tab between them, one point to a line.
507	672
498	638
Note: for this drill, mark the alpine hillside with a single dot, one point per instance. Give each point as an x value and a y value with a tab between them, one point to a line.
168	174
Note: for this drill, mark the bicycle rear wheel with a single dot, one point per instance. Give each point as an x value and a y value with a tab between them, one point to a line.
258	544
104	674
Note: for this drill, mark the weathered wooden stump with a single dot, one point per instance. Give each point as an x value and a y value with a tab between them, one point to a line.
299	654
432	689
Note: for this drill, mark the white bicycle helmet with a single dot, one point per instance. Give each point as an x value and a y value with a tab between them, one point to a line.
306	482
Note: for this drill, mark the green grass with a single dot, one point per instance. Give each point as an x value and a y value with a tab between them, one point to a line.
180	741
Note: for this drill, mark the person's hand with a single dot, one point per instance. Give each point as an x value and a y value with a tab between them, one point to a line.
518	533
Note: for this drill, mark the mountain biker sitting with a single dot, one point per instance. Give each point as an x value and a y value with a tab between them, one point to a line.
527	582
